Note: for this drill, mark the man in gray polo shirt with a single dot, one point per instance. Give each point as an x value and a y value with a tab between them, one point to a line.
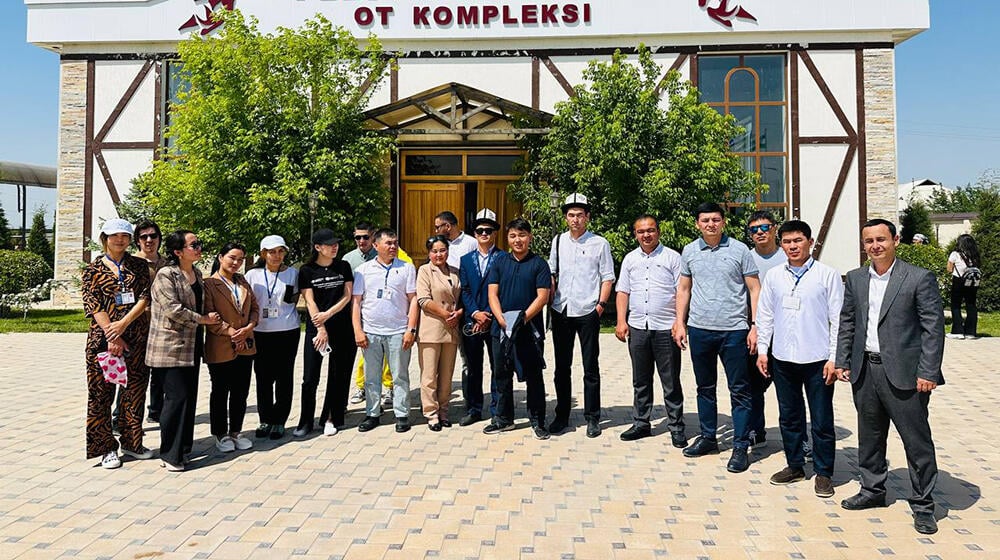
717	274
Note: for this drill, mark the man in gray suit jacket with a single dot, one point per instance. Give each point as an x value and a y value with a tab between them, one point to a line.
890	347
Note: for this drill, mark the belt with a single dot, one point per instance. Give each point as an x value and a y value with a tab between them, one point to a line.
873	357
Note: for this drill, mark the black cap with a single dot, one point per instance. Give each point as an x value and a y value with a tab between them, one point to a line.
325	237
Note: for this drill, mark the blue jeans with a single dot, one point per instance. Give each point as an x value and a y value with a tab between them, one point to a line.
706	349
390	349
789	381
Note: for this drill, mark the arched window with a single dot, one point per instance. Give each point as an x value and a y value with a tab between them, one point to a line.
752	89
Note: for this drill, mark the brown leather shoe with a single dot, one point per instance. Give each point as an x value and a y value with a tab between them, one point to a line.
823	486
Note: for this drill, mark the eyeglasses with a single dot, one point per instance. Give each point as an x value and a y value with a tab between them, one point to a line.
149	236
196	245
762	227
362	237
484	231
438	227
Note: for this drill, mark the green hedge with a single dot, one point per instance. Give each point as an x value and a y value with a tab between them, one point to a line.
933	259
21	271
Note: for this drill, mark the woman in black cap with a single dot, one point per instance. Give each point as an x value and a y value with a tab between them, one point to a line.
326	282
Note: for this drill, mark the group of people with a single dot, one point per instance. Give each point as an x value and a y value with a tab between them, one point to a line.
770	312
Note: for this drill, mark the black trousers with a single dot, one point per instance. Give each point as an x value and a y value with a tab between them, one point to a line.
156	393
273	368
227	405
564	331
180	397
338	376
527	361
758	386
878	402
648	348
960	293
475	349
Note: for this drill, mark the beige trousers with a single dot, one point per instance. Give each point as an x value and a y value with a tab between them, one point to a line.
437	365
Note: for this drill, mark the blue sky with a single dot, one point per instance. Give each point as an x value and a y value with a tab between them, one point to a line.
948	106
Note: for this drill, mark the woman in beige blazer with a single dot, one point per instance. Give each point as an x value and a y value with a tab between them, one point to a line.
229	347
175	343
438	293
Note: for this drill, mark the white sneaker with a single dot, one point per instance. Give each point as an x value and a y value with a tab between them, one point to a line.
225	444
241	442
357	396
111	460
387	397
972	337
956	336
329	429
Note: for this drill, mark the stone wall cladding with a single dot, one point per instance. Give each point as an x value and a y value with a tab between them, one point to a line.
72	159
880	124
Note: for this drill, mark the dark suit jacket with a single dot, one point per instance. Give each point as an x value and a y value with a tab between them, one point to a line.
475	295
910	327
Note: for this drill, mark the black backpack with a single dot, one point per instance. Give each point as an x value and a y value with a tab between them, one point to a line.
972	277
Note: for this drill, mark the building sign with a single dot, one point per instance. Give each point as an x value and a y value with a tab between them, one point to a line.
602	22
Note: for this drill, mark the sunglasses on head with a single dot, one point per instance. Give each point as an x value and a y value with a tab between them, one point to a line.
149	236
362	237
435	239
763	227
484	231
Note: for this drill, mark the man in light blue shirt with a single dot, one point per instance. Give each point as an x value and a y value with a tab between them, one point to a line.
718	275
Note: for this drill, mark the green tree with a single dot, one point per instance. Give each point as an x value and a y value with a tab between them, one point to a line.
38	238
5	240
266	122
915	220
986	231
614	142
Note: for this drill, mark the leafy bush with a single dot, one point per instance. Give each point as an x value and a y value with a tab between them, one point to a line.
22	270
932	258
986	231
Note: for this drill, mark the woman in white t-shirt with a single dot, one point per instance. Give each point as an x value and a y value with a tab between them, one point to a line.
964	257
275	285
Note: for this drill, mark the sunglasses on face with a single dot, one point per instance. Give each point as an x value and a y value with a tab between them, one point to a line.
485	231
196	245
362	237
763	227
149	236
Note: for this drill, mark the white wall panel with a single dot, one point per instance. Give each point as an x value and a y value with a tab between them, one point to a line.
135	124
509	78
819	168
111	79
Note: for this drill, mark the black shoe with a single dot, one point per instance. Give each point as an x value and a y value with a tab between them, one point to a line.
860	501
154	418
558	425
277	431
788	475
495	427
740	461
678	440
634	433
435	427
402	424
446	423
470	419
701	446
924	523
369	423
262	431
593	428
540	432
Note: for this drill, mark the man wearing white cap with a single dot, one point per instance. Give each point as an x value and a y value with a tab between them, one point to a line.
582	275
473	272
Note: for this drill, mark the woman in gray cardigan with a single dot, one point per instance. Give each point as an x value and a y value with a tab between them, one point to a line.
176	343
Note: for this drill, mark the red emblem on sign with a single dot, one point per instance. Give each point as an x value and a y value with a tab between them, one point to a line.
725	15
207	24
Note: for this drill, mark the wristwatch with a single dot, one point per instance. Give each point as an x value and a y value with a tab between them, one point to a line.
413	331
602	303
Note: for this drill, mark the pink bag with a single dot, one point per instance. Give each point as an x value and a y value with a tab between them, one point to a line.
114	368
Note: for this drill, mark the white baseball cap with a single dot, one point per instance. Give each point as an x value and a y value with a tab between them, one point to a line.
272	242
117	225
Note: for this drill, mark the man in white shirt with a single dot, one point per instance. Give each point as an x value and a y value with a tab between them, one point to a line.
582	275
647	291
799	306
460	244
385	315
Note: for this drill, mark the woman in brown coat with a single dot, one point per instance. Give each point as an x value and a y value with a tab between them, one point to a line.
229	347
438	293
176	343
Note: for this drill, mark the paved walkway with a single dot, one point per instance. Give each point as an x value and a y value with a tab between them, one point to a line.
462	494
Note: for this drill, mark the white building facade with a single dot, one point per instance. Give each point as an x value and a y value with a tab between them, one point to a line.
812	81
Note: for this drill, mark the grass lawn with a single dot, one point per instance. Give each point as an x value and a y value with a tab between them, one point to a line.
46	320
